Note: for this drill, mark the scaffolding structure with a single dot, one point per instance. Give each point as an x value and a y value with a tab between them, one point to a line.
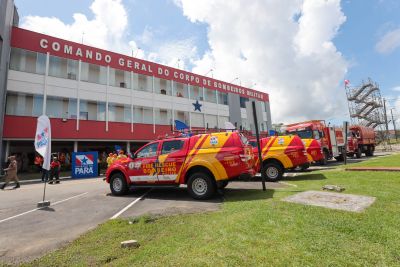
366	106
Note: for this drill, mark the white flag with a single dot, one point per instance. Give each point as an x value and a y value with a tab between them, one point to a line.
43	140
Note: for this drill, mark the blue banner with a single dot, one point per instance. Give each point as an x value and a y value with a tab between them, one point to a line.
84	164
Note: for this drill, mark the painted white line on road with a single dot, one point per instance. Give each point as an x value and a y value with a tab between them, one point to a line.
61	201
130	205
30	211
289	184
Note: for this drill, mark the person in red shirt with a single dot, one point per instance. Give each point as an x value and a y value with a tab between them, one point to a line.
55	170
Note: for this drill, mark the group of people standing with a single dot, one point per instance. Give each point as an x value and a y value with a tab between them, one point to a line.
113	157
53	173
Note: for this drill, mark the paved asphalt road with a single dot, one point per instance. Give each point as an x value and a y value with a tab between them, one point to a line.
80	205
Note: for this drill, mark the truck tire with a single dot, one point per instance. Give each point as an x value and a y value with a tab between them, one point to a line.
201	186
369	152
222	184
358	153
339	158
324	161
305	166
273	172
118	185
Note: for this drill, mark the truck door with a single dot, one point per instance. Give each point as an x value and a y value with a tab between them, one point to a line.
171	159
334	144
143	168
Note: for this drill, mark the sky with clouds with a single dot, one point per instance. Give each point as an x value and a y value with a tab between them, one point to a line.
298	51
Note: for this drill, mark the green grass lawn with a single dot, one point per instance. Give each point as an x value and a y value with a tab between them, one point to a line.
380	161
256	228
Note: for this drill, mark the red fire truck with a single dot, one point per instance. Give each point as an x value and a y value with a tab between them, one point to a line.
330	138
366	141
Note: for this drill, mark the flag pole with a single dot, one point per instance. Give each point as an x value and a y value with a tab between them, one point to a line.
43	147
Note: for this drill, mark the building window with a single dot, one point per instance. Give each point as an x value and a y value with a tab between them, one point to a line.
63	68
182	116
93	73
196	93
243	101
181	90
162	86
20	104
162	116
197	120
27	61
119	113
145	83
222	120
142	115
222	98
120	78
211	121
59	107
138	114
210	95
148	115
91	110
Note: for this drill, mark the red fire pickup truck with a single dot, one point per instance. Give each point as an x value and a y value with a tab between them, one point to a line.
204	162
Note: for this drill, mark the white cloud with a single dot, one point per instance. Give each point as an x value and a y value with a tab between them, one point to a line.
284	46
109	30
389	42
396	88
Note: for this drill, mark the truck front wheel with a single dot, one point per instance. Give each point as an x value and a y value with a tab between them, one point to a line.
201	186
273	172
358	153
118	184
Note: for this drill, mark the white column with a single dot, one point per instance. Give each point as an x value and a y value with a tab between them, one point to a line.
153	95
78	99
190	107
131	101
172	104
190	120
128	147
216	95
75	146
46	74
108	82
204	114
7	152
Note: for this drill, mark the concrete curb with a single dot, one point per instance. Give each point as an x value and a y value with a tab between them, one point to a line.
384	169
64	178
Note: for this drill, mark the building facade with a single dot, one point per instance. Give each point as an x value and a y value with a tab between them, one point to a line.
97	99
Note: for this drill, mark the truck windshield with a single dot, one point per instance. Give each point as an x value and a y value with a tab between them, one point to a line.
304	134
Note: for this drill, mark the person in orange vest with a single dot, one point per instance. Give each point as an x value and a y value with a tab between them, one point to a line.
55	170
38	162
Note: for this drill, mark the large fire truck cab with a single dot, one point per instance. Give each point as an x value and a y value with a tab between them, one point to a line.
330	138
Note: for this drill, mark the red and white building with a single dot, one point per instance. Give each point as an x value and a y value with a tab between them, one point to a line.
97	99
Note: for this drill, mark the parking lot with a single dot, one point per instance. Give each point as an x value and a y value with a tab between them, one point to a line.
80	205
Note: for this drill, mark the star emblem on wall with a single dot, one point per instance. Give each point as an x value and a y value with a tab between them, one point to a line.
197	106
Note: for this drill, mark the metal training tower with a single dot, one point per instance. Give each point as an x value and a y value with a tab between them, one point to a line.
366	106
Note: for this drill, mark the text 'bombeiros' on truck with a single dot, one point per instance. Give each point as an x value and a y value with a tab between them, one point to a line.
205	162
